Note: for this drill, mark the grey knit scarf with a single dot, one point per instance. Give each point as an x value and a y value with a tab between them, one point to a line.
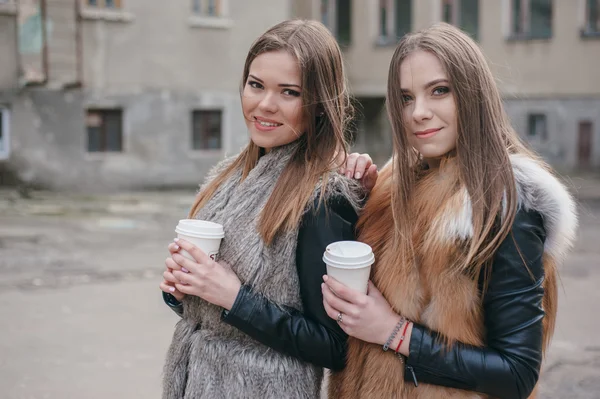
211	359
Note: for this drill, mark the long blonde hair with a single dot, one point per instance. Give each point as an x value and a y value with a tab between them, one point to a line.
485	141
327	107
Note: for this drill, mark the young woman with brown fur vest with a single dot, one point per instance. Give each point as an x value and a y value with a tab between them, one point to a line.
468	229
253	324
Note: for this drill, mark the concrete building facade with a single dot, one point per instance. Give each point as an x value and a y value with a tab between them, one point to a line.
544	53
129	93
134	93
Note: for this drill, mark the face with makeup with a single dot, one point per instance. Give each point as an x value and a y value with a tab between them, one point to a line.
429	108
272	100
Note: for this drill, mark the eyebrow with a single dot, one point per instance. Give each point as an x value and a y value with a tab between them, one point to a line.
280	84
432	83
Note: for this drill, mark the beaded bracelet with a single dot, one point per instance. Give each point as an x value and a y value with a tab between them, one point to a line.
386	346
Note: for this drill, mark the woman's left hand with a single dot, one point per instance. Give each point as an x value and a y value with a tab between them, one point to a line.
368	317
212	281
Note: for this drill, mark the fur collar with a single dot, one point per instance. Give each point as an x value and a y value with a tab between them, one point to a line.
539	190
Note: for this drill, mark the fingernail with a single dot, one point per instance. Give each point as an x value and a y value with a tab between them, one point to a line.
325	277
172	289
348	174
357	175
322	285
176	239
183	269
176	247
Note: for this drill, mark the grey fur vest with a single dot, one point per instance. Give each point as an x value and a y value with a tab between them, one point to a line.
211	359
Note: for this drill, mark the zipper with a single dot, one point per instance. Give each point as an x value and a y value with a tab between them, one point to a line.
412	372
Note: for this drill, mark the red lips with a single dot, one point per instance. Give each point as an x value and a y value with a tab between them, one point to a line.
427	133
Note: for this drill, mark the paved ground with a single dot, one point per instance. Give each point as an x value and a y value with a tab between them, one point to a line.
82	315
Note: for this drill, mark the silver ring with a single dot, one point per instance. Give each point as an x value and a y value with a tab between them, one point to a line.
339	317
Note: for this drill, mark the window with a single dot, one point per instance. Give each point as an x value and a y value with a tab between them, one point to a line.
210	14
592	18
462	13
209	8
537	127
206	129
105	130
4	133
337	16
531	19
107	10
395	20
8	7
104	3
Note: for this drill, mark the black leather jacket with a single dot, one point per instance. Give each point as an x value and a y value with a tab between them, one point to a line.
309	335
509	365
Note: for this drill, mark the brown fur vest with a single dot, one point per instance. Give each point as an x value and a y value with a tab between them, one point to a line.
437	294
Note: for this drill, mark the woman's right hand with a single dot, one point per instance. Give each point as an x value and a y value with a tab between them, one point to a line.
169	280
361	167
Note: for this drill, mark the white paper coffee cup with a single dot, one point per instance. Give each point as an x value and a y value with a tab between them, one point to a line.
349	262
204	234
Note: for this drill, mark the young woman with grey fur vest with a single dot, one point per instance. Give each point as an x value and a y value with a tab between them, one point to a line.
253	325
468	228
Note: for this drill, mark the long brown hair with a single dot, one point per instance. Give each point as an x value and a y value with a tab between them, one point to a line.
327	107
485	141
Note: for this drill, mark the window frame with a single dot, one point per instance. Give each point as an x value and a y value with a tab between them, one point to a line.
101	12
104	134
331	22
5	140
102	4
588	31
200	111
8	7
391	37
202	20
200	3
455	18
532	121
525	22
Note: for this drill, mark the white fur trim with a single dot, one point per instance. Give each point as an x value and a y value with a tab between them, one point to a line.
539	190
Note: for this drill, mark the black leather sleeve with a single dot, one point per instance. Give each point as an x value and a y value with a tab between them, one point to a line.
173	303
508	366
310	335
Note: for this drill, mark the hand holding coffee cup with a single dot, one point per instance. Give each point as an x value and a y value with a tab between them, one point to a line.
348	298
214	281
205	235
349	262
195	266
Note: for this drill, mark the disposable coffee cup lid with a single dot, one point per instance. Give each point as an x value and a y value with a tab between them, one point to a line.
348	255
200	228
